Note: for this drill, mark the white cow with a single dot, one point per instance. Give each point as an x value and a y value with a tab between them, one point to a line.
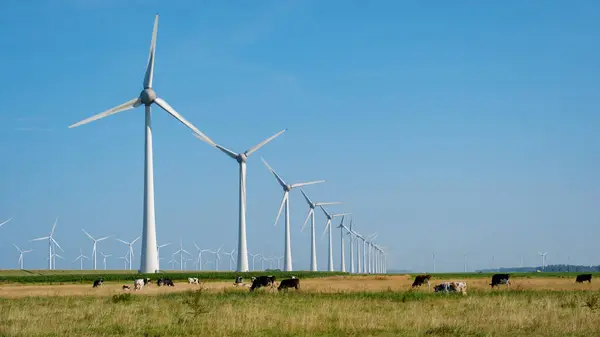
460	287
138	284
192	280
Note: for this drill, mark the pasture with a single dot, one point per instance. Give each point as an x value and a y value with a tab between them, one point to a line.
381	305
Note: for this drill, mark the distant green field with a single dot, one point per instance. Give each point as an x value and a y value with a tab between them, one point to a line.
81	276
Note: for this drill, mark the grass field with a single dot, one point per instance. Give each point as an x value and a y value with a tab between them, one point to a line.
330	306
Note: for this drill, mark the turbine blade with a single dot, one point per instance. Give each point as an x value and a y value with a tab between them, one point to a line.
125	106
328	203
324	211
263	143
88	234
104	238
306	198
60	257
309	183
150	67
307	217
38	239
5	222
165	106
19	249
53	227
281	182
127	243
341	214
326	226
56	243
285	196
132	242
226	150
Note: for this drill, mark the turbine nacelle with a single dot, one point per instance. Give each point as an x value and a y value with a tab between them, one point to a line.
242	157
147	96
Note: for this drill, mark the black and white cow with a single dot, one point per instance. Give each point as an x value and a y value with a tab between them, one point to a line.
289	283
165	282
98	282
498	279
420	279
584	277
262	281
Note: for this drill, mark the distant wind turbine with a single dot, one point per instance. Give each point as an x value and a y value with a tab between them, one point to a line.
95	242
328	226
125	260
287	264
241	158
130	244
200	251
180	252
104	256
21	252
51	241
311	215
217	258
543	255
80	258
158	251
231	259
254	256
149	254
342	254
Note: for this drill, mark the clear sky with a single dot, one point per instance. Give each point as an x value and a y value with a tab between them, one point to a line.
444	126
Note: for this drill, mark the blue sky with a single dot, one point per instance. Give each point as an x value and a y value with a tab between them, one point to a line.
448	127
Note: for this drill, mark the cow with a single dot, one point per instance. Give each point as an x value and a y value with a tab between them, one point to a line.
460	287
192	280
289	283
138	284
583	277
126	287
498	279
263	281
165	282
420	279
98	283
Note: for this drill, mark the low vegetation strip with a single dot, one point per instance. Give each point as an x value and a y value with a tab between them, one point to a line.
176	276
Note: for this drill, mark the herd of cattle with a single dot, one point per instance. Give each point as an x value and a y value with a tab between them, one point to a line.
293	282
257	282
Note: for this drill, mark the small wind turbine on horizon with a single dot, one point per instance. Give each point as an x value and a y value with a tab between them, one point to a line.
311	215
241	158
180	252
80	258
149	254
125	260
231	259
104	256
342	254
200	251
287	264
254	256
543	255
21	252
130	244
51	241
95	242
328	226
158	250
54	256
352	239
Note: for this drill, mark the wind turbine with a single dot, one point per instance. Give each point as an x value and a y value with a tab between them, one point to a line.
158	250
230	258
465	262
254	256
241	158
21	252
173	262
149	255
54	256
95	241
180	252
543	255
125	260
50	242
80	258
5	222
287	264
343	259
104	256
328	225
217	258
352	239
200	251
311	215
130	244
371	253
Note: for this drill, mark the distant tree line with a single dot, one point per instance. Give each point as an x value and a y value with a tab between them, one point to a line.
553	268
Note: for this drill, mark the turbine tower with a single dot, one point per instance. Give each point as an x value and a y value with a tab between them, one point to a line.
130	244
104	256
328	225
343	259
287	263
51	241
95	241
311	215
543	255
241	158
5	222
21	252
352	239
180	252
149	254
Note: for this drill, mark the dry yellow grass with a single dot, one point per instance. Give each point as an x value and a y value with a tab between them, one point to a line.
338	306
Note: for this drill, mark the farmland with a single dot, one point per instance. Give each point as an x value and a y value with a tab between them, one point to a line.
383	305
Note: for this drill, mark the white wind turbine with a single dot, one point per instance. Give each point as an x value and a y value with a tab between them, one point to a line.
328	226
5	222
311	215
80	258
130	244
149	257
254	256
200	251
343	259
158	250
241	158
180	252
543	255
51	241
230	258
352	239
95	241
54	256
104	256
21	252
287	264
125	260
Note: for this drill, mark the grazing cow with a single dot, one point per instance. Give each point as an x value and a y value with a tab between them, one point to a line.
289	283
192	280
460	287
584	277
98	283
500	279
165	282
420	279
138	284
263	281
126	287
